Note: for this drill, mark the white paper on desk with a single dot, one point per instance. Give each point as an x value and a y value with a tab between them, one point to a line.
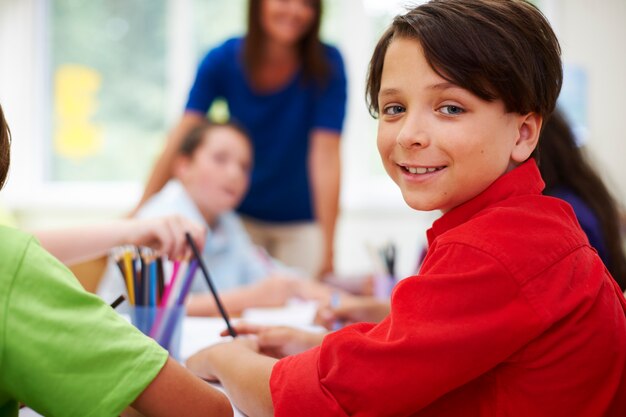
296	313
201	332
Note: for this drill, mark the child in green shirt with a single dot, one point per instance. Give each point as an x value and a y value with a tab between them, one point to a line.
67	353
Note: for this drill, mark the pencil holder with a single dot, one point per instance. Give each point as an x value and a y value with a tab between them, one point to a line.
163	324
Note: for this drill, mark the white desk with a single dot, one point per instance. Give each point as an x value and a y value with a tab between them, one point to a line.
200	332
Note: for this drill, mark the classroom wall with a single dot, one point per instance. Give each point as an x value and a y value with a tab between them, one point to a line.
592	35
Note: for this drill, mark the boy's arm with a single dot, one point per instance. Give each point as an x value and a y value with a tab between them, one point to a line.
165	234
176	392
244	373
162	170
325	172
269	292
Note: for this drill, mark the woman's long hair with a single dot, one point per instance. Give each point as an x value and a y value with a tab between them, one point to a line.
563	164
314	63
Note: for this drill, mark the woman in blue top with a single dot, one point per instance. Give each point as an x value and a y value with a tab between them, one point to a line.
289	91
569	176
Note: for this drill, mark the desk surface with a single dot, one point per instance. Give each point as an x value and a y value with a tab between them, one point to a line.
200	332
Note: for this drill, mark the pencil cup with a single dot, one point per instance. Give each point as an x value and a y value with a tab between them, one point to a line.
163	324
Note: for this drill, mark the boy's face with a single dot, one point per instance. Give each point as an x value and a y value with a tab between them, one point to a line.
217	174
440	143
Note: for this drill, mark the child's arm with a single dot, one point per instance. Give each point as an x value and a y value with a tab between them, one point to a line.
166	234
176	392
273	291
269	292
242	371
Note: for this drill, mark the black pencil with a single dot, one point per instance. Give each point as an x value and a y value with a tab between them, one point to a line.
207	277
160	279
119	300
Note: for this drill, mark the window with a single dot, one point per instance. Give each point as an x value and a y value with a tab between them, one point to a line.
108	79
105	80
92	87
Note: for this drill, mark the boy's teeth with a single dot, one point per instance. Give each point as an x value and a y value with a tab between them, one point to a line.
420	170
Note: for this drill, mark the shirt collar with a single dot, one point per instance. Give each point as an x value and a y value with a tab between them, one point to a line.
522	180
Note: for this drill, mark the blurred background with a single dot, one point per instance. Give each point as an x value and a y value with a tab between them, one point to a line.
91	88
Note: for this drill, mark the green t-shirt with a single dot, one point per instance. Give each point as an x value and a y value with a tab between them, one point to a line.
63	351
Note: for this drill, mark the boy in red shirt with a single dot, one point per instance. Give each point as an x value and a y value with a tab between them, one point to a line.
512	312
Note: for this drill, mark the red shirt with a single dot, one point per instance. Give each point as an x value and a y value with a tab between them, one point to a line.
512	314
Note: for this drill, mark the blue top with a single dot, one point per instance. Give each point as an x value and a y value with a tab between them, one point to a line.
587	219
279	124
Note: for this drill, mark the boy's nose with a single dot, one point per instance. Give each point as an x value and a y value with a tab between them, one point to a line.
413	134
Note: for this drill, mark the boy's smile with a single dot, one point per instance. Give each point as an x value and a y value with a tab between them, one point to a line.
439	142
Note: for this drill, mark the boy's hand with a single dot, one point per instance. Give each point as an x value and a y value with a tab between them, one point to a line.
166	234
279	341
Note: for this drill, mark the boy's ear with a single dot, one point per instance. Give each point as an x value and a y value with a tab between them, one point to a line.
529	128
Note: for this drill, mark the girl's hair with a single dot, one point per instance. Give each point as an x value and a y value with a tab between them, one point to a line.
197	135
315	65
563	164
5	148
495	49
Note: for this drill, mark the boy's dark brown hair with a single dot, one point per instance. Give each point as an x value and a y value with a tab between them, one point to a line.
497	49
197	135
314	63
5	148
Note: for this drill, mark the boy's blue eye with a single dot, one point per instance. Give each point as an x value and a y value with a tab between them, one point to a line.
393	110
451	110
